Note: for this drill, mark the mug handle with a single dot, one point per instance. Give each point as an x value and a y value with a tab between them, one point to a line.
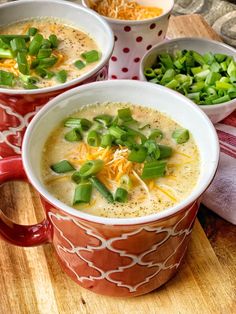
11	168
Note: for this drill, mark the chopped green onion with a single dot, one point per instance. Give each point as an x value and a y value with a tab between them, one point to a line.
6	78
90	56
138	154
220	57
73	135
18	45
44	73
196	70
149	72
28	79
154	80
129	123
212	77
30	86
61	76
223	85
166	60
106	140
7	38
47	62
93	138
46	44
22	62
82	124
125	114
201	76
34	64
196	87
121	195
54	40
194	96
126	182
102	189
168	76
3	45
83	193
104	119
153	169
232	92
208	58
32	31
198	58
156	134
35	44
44	53
215	67
172	84
79	64
165	151
91	167
117	132
152	149
129	142
115	121
181	136
221	99
135	133
6	54
76	177
62	167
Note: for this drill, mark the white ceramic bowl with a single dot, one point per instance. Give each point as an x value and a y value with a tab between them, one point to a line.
18	106
74	15
134	38
215	112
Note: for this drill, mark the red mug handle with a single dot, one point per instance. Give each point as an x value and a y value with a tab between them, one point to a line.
11	168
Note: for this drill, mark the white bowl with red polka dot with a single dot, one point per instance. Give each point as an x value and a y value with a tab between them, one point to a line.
134	38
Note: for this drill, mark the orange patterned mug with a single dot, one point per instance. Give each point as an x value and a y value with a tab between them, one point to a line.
112	256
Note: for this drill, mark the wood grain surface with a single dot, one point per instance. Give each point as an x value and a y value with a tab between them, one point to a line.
32	282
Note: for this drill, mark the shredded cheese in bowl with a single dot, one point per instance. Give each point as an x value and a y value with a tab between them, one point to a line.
124	10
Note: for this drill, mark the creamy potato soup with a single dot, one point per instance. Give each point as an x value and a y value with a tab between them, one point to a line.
103	160
44	52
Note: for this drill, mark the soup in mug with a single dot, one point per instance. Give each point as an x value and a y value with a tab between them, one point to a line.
103	160
44	52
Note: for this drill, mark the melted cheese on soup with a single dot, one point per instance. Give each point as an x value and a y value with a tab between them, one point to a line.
146	196
72	43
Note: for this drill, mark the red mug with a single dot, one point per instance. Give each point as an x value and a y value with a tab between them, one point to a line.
112	256
17	107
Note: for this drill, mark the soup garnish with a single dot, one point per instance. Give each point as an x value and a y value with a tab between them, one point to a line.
124	9
114	155
207	79
39	58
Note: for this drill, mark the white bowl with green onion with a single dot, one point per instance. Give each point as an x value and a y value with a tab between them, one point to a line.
201	69
32	69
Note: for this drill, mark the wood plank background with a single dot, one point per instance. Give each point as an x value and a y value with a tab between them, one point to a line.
32	282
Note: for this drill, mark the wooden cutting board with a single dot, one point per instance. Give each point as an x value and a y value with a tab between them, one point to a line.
31	280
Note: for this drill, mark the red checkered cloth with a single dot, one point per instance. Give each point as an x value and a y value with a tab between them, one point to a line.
221	195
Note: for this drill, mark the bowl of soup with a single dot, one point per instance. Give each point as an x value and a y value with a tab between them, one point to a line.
120	167
46	47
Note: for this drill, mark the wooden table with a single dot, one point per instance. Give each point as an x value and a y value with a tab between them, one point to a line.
32	282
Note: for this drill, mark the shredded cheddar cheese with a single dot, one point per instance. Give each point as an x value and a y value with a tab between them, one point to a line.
9	65
167	193
116	164
124	9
